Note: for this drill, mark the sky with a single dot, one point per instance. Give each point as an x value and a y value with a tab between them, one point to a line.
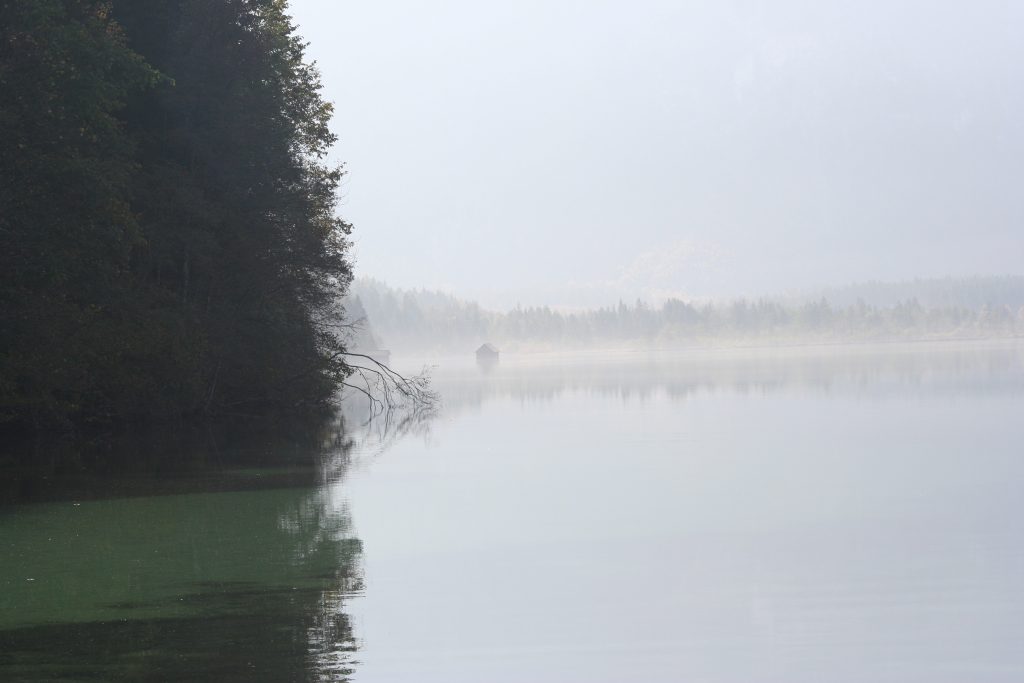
574	153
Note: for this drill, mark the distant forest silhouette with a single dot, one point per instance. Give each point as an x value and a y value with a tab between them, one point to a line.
946	308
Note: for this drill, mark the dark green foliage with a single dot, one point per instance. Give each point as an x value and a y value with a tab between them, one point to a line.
169	243
66	227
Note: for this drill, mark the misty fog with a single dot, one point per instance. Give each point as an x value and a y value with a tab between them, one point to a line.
422	321
574	154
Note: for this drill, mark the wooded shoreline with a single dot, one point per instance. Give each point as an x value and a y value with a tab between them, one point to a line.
169	244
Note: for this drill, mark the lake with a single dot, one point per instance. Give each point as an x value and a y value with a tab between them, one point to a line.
792	515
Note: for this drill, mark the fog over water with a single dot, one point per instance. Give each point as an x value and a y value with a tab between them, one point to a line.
826	515
577	153
841	514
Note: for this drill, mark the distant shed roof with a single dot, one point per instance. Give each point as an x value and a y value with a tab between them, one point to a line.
487	348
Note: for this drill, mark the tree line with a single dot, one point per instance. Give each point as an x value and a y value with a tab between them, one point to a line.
424	320
168	237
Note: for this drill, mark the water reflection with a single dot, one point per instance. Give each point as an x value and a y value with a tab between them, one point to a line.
230	554
230	562
822	515
869	372
486	363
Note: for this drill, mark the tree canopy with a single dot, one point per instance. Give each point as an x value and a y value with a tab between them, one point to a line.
169	242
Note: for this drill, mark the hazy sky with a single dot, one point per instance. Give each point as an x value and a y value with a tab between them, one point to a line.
571	153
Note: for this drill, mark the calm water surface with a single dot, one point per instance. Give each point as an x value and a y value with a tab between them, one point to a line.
817	515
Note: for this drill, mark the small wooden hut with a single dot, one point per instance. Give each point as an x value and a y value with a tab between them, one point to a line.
487	353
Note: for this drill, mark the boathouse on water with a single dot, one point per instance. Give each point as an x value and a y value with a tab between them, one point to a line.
487	352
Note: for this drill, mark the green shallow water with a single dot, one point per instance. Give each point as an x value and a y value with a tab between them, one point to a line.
163	556
244	578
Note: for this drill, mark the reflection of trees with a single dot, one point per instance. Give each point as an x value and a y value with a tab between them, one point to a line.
241	572
332	644
824	370
321	526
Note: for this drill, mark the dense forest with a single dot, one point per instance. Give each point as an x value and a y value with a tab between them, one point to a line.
419	320
168	237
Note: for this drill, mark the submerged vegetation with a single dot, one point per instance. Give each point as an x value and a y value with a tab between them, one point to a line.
168	237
